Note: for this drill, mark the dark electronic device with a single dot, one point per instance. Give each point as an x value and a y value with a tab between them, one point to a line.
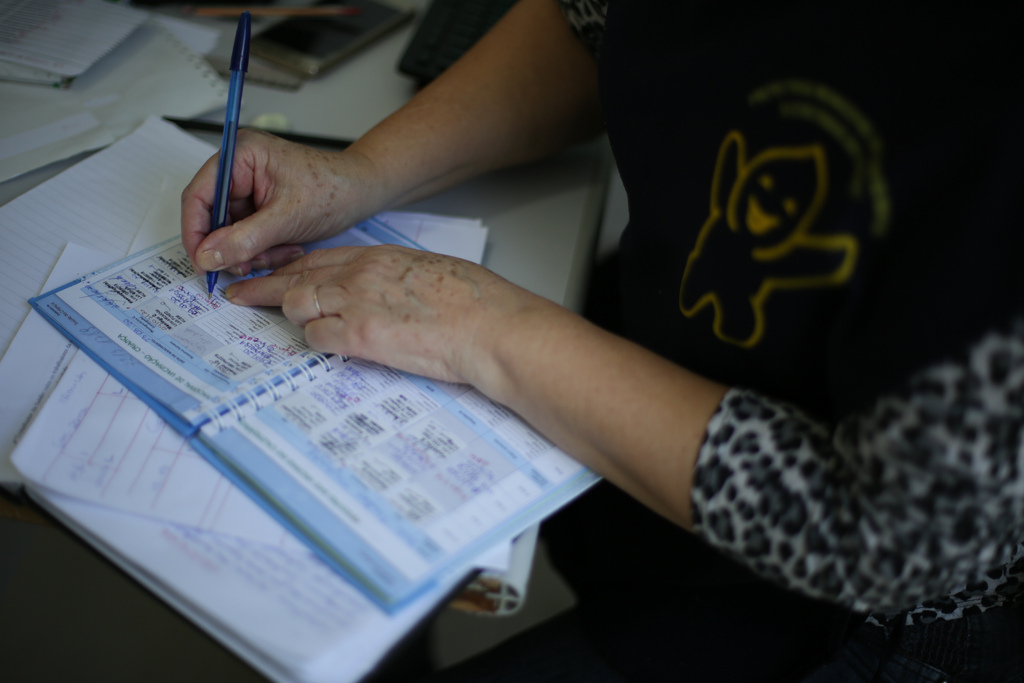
448	29
309	45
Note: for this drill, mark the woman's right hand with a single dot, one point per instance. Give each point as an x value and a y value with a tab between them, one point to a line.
282	195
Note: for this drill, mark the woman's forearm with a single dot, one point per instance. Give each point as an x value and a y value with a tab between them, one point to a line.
636	418
527	89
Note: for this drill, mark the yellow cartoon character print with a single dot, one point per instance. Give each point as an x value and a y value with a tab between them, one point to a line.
763	215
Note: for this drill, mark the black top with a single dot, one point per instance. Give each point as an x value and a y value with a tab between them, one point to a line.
824	211
821	194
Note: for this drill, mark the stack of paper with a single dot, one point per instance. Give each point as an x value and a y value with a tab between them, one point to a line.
52	41
129	69
167	517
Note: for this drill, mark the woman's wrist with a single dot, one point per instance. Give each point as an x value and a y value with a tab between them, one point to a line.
511	340
355	190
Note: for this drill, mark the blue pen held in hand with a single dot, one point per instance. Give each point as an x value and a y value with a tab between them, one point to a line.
239	65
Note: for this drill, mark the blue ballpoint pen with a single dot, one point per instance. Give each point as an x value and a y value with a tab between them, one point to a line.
239	65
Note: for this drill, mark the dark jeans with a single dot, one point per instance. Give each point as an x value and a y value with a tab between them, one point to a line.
983	648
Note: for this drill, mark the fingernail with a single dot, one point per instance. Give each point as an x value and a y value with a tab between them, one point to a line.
259	264
211	260
236	270
230	291
298	253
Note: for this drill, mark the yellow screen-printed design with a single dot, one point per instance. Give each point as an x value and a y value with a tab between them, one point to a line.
762	235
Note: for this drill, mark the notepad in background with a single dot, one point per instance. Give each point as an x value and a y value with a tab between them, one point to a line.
151	72
20	73
58	40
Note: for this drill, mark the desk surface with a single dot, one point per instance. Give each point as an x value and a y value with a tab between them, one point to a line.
57	597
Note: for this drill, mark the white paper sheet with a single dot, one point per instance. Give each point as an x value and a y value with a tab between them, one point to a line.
62	36
282	610
151	73
36	360
199	38
463	238
96	442
100	202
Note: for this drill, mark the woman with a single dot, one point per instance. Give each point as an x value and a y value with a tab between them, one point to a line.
814	398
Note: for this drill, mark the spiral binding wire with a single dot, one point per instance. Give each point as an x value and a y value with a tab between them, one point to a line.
248	402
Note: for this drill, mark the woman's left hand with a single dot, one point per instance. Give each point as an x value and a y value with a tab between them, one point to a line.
417	311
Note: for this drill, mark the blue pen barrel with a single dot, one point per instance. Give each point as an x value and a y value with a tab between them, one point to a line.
239	65
227	156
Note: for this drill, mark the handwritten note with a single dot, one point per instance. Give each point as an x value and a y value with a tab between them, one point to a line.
423	473
95	441
282	609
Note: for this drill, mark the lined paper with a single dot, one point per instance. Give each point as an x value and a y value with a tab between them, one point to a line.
281	609
65	37
151	73
35	362
97	442
100	202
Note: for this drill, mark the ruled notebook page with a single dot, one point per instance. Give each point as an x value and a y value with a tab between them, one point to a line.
62	36
100	202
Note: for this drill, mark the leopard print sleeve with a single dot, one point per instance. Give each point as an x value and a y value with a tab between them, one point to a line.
586	17
916	505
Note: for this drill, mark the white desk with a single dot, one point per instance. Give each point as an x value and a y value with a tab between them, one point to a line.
543	222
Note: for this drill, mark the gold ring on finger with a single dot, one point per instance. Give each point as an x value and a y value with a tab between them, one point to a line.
316	300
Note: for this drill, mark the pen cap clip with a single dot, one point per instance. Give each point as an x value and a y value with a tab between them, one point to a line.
240	52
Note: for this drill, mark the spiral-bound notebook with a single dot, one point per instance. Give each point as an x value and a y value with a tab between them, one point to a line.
393	479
